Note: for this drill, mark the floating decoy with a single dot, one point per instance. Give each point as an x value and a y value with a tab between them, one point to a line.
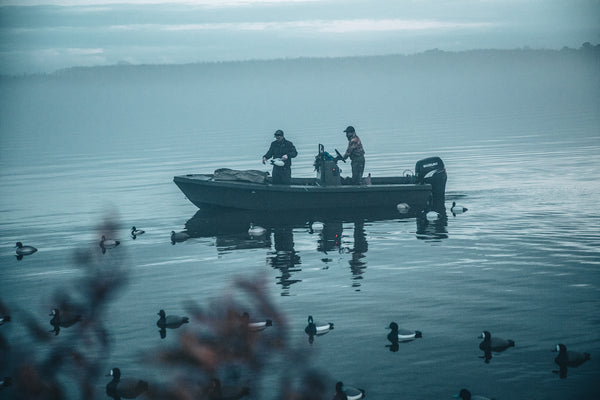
315	226
466	395
256	326
24	250
179	237
260	325
432	215
136	232
348	392
108	243
494	343
569	358
402	208
317	328
256	230
4	319
124	388
402	335
457	209
170	321
63	320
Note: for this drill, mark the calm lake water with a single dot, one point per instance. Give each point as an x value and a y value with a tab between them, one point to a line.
523	262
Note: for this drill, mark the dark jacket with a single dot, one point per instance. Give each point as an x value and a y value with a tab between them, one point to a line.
278	149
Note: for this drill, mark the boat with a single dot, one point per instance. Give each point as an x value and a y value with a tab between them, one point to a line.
253	190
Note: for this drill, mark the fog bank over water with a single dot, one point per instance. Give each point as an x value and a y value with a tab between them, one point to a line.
447	96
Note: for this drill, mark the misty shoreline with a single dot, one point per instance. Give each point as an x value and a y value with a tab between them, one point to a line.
587	52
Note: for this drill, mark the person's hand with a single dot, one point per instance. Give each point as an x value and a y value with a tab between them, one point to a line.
264	160
284	157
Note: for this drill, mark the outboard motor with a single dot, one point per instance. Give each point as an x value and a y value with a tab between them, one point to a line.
328	172
432	171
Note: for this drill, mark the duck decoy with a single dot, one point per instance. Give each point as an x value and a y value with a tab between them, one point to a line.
399	335
128	388
569	358
457	209
432	215
403	208
179	237
24	250
494	343
317	328
256	230
63	320
466	395
4	319
108	244
170	321
256	326
136	232
348	392
315	226
277	161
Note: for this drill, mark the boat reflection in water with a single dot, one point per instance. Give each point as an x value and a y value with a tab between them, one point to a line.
229	227
432	227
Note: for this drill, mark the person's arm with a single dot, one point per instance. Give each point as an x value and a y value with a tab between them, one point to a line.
351	146
292	152
269	154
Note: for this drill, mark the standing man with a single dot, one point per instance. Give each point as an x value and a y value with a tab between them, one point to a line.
357	155
281	149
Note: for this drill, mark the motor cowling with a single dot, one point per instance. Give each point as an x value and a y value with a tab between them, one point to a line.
432	171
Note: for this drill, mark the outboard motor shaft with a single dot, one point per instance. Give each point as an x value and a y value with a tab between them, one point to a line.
432	171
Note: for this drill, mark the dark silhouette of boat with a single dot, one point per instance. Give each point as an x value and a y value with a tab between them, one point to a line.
253	190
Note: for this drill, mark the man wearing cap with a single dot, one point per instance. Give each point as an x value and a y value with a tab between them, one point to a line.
284	150
356	153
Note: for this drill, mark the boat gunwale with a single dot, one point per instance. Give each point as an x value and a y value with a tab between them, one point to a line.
194	178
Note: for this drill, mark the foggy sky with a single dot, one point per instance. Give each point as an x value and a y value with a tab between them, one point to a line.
43	36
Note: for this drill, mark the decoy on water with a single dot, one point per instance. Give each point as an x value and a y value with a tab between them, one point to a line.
466	395
136	232
315	226
256	326
179	237
24	250
432	215
127	388
4	319
402	208
455	209
569	358
108	243
343	392
256	230
317	328
170	321
63	319
402	335
494	343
